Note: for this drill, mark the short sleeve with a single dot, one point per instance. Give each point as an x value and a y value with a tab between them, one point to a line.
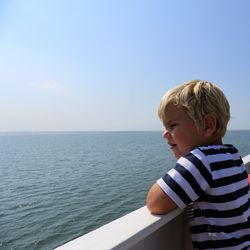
188	180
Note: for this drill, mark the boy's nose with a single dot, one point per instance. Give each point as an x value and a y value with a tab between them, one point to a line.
166	134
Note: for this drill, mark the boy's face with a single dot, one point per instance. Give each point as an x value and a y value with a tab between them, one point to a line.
181	132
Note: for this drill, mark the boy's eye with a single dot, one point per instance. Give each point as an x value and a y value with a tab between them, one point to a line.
172	126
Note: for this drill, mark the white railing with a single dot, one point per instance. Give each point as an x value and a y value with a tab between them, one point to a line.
139	230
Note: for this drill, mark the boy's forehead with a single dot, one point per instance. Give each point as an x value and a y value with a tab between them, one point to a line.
168	120
173	112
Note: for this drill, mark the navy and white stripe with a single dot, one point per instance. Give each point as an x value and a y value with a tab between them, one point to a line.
212	181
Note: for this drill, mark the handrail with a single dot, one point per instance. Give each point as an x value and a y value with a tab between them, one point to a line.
139	230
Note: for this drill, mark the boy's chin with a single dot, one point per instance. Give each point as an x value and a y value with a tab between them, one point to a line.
177	155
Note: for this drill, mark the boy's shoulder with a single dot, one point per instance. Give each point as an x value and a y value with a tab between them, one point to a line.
211	153
215	149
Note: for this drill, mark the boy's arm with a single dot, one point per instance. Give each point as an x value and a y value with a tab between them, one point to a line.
158	202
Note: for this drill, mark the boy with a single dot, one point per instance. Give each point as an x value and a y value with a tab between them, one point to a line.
209	178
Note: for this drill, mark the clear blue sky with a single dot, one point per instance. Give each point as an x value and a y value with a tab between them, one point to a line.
103	65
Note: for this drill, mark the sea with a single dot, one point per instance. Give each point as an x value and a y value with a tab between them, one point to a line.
58	186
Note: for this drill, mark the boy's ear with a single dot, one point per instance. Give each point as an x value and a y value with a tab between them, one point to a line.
209	124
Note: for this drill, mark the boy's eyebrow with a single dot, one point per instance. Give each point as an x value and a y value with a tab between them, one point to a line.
169	121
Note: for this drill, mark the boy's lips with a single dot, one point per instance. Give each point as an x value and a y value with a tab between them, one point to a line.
172	145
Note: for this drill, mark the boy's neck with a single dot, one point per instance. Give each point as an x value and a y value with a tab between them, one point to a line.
213	141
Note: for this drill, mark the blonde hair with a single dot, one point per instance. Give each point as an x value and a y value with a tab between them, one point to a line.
199	98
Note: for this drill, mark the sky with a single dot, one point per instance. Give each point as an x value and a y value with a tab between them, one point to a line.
102	65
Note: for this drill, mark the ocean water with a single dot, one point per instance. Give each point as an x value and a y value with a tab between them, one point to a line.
58	186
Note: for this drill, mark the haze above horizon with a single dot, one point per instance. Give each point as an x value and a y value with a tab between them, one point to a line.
104	65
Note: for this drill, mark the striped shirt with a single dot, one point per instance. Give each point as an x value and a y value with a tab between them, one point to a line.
212	182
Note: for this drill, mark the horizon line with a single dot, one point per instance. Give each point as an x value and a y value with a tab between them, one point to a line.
92	131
